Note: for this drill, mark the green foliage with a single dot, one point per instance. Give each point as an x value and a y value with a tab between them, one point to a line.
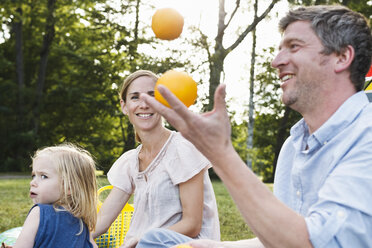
271	127
239	138
91	51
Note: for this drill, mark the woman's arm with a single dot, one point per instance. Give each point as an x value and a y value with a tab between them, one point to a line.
26	238
92	241
192	197
110	209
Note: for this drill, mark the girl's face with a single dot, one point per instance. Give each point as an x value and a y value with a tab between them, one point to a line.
141	115
45	183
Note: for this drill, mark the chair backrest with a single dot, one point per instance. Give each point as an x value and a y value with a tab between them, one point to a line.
115	235
368	90
368	84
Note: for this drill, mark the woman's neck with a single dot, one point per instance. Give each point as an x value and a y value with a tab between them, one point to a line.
151	146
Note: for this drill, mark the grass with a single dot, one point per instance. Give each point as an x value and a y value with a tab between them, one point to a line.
15	204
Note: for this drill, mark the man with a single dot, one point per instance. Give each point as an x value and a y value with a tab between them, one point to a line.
323	183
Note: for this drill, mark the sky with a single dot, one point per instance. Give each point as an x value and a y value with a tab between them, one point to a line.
204	14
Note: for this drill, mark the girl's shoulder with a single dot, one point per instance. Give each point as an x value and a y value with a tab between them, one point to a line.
35	211
48	207
37	208
50	210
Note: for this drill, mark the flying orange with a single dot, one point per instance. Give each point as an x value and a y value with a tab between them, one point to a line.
167	24
180	84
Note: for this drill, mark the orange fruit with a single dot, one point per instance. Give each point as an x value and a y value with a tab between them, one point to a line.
180	84
167	24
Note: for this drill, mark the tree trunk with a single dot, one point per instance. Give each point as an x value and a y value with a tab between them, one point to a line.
129	141
19	62
216	60
47	41
128	134
216	68
251	92
18	32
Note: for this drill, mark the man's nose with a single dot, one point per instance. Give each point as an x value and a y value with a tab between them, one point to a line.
280	59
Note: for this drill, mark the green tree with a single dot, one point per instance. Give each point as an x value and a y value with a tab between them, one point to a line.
64	61
273	120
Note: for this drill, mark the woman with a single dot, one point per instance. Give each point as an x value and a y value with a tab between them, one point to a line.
167	175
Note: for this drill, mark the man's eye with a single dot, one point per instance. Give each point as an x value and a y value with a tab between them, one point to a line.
44	177
134	97
32	176
151	94
293	46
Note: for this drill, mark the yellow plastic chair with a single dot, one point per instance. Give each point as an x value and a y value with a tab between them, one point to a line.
368	84
115	235
368	90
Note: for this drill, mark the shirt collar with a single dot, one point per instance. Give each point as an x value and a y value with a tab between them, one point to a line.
337	122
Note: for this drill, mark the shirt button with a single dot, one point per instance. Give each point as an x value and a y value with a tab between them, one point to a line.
298	193
340	214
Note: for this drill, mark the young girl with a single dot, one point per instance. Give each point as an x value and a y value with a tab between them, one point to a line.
167	175
63	189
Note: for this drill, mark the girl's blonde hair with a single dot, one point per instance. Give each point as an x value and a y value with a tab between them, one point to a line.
76	169
128	81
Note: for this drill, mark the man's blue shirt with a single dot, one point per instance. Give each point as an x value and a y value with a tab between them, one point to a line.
327	176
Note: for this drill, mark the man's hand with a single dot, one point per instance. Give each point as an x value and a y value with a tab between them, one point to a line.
209	132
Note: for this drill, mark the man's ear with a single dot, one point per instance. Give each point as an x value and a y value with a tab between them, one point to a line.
344	59
123	107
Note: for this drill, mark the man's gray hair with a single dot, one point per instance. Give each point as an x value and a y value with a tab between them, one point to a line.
337	27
